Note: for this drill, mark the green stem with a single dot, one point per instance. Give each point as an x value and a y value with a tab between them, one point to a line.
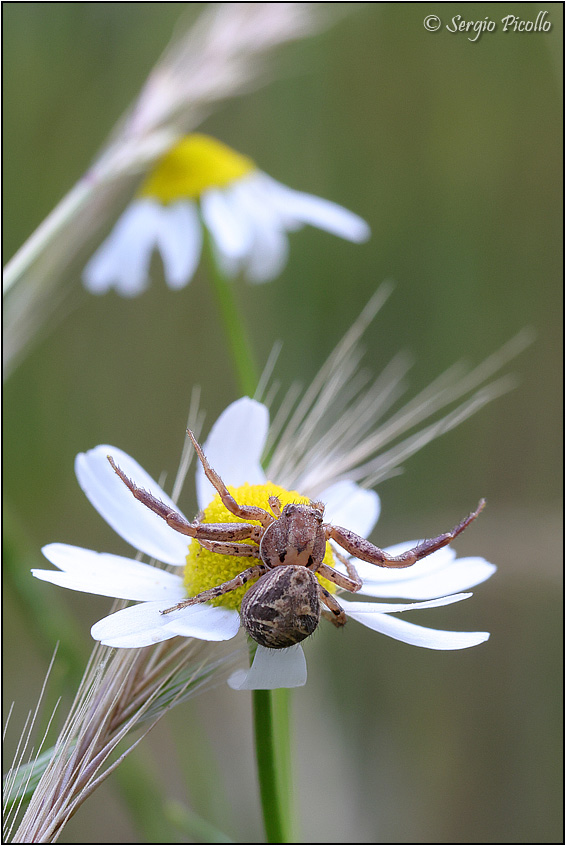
274	795
233	322
282	717
271	715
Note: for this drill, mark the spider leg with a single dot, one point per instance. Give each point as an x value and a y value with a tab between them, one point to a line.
352	572
336	614
226	548
324	612
241	579
366	551
247	512
351	583
211	531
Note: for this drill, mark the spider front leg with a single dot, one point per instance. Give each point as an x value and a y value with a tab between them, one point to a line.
247	512
366	551
212	593
200	531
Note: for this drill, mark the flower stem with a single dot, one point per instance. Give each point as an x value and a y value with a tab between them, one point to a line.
271	727
282	714
233	322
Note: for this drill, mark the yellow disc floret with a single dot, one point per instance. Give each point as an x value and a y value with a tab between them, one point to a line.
205	569
193	165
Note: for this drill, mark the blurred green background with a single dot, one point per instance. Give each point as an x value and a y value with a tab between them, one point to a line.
452	151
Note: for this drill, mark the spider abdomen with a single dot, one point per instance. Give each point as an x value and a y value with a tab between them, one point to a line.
282	608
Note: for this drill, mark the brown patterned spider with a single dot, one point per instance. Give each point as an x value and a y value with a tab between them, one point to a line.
285	604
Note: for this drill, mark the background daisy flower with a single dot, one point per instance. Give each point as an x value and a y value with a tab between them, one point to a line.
234	448
201	184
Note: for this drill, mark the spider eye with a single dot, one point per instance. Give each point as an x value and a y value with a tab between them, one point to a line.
318	509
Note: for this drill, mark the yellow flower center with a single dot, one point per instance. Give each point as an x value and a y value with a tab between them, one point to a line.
193	165
205	569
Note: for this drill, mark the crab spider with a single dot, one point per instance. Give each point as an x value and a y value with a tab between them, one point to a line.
285	604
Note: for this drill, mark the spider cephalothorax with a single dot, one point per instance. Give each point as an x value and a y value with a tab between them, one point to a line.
285	604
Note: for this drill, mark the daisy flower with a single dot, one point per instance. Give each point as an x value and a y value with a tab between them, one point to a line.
202	183
234	448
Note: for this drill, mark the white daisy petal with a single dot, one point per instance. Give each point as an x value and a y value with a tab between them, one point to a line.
361	610
269	247
234	447
228	226
260	197
139	625
122	261
251	197
206	622
180	242
346	504
419	635
143	624
109	575
132	520
268	254
272	669
324	214
462	574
